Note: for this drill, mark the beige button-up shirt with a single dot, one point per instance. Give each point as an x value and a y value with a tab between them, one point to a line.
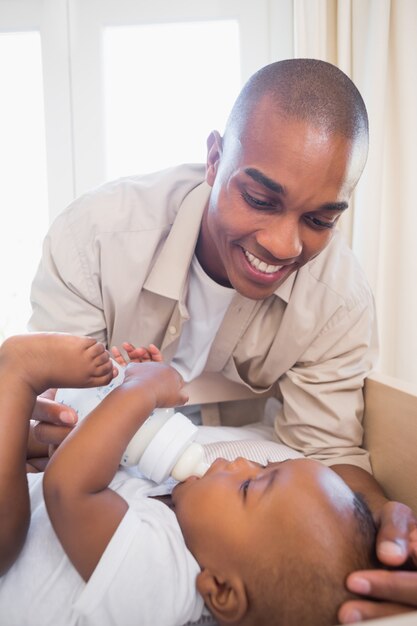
115	266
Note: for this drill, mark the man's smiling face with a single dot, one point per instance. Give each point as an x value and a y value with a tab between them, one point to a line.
279	186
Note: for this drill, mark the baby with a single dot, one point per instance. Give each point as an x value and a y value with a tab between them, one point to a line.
255	545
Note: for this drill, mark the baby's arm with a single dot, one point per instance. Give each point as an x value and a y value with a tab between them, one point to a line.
84	512
29	364
136	355
16	404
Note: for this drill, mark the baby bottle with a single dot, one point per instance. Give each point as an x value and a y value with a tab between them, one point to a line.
163	446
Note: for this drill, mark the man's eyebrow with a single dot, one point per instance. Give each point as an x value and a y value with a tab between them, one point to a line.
264	180
333	206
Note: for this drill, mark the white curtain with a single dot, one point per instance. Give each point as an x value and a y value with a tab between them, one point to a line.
375	43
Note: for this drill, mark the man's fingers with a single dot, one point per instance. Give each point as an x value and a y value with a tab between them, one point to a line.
36	464
49	393
51	434
399	587
357	611
396	589
396	522
413	546
47	410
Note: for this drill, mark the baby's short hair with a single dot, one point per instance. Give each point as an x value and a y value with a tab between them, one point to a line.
310	592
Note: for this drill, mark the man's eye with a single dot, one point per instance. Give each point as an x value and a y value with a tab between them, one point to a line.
315	222
244	487
255	202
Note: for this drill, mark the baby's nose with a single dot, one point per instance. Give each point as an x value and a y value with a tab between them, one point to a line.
239	463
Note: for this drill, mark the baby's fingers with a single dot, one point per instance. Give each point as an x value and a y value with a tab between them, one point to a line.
137	355
117	355
154	353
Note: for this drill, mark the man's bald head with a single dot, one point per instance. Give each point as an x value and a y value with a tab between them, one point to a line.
307	89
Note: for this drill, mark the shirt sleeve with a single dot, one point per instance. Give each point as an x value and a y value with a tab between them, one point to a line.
322	394
146	575
65	294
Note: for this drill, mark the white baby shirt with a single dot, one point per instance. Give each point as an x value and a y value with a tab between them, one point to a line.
145	577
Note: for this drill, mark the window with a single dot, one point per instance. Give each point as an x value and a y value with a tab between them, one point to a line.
23	192
166	88
80	103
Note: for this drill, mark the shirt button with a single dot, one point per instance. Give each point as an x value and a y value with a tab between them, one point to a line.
172	330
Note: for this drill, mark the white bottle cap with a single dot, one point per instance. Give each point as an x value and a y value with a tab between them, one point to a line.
166	447
144	435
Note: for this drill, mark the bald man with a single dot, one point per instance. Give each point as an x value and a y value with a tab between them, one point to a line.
237	268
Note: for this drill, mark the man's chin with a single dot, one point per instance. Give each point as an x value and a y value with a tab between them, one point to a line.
257	292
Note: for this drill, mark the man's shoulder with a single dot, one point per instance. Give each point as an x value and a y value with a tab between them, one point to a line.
134	202
337	273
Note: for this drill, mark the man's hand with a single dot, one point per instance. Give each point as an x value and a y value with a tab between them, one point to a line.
396	540
395	590
51	423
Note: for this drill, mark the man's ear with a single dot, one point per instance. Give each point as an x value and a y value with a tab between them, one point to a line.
214	152
225	597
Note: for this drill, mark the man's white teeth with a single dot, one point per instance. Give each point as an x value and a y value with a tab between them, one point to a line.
261	266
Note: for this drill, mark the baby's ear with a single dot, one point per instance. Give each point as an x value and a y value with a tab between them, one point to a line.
225	597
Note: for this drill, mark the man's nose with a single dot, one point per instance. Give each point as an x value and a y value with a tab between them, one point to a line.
282	238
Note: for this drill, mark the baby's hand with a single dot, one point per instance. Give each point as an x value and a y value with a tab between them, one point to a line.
162	381
136	355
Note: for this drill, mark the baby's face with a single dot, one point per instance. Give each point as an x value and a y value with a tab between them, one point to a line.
241	506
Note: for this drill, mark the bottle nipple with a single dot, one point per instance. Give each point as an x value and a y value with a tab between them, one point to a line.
190	463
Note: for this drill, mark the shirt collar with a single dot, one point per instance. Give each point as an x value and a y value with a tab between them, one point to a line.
284	290
170	271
